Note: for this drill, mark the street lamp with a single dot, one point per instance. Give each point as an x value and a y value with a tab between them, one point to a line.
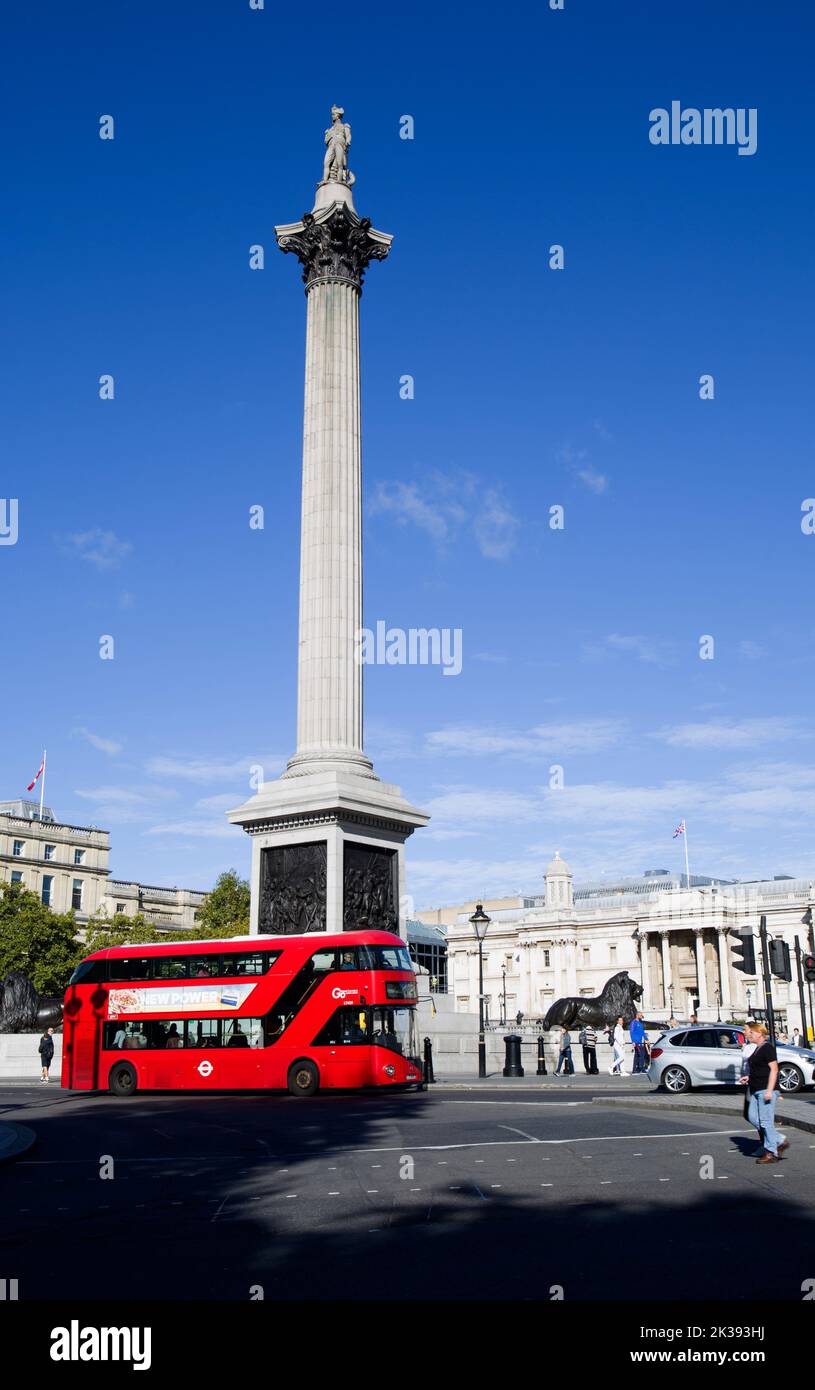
504	998
671	998
749	994
479	923
718	1010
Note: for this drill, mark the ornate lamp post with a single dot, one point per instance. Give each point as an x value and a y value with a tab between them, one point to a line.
479	922
718	1008
504	997
671	998
749	994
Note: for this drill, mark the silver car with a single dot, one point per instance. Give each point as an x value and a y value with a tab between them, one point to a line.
710	1055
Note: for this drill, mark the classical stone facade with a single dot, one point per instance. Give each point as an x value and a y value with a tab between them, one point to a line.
673	940
67	866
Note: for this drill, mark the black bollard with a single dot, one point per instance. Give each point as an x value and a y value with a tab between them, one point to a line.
428	1062
541	1057
512	1066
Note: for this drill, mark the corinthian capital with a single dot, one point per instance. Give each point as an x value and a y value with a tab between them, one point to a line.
334	244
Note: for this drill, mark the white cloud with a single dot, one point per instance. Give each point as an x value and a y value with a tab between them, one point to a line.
199	830
213	769
101	548
105	745
645	649
595	482
734	733
582	736
444	504
495	527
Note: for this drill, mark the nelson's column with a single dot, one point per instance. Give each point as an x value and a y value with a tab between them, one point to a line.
328	837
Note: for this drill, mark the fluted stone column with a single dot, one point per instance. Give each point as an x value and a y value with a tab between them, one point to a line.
328	836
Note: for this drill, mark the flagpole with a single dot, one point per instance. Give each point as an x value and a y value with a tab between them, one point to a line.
42	788
687	867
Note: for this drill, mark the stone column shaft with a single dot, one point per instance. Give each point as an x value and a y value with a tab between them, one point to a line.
329	678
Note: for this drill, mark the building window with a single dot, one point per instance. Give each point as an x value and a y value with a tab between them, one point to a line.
16	876
76	895
546	959
120	907
17	850
612	955
79	855
47	885
587	955
50	850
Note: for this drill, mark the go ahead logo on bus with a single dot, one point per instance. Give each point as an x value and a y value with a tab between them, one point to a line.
343	993
205	1068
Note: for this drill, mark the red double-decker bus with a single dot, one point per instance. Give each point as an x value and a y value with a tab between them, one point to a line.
296	1012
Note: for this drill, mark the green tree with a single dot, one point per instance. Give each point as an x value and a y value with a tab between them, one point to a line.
121	930
226	910
41	943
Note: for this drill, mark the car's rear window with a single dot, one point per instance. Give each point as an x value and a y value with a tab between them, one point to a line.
679	1040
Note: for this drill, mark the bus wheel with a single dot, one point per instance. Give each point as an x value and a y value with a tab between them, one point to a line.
304	1079
122	1079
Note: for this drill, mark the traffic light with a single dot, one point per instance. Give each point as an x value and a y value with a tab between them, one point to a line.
809	969
743	953
780	960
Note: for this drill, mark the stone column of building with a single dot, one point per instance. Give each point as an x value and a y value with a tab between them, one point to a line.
328	836
701	974
667	978
724	968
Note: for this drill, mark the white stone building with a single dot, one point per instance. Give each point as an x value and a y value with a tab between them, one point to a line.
67	866
671	939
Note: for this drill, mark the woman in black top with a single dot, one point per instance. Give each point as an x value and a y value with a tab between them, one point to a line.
761	1081
46	1051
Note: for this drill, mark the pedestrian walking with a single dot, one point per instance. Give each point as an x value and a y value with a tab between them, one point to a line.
618	1043
588	1041
565	1058
796	1037
637	1034
46	1051
761	1082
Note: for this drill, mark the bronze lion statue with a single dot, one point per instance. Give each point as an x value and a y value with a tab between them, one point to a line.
620	997
22	1009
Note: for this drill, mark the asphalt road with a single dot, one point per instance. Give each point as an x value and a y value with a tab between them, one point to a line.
445	1194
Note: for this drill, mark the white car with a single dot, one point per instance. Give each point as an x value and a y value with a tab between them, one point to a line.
708	1054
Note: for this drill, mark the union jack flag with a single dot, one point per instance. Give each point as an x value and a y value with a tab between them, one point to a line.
680	829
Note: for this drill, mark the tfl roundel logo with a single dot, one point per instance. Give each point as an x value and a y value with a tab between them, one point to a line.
205	1068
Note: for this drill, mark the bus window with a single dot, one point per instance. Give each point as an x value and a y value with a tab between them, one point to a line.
323	961
203	967
207	1032
130	968
385	958
242	1032
175	1033
170	968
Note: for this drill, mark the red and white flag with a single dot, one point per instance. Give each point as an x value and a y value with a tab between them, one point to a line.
40	771
680	829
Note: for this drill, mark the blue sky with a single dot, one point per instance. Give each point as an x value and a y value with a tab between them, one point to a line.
533	387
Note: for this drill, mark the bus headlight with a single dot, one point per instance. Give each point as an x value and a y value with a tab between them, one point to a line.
400	989
389	1070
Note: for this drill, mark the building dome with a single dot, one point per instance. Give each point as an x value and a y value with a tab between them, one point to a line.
558	867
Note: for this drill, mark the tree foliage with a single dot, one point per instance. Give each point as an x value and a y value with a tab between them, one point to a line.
41	943
226	910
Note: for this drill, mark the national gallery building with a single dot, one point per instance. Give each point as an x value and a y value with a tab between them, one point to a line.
671	939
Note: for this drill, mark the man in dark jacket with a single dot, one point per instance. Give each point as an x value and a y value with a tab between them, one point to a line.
588	1040
46	1051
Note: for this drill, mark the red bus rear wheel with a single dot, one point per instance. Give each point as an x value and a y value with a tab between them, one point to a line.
304	1078
122	1080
